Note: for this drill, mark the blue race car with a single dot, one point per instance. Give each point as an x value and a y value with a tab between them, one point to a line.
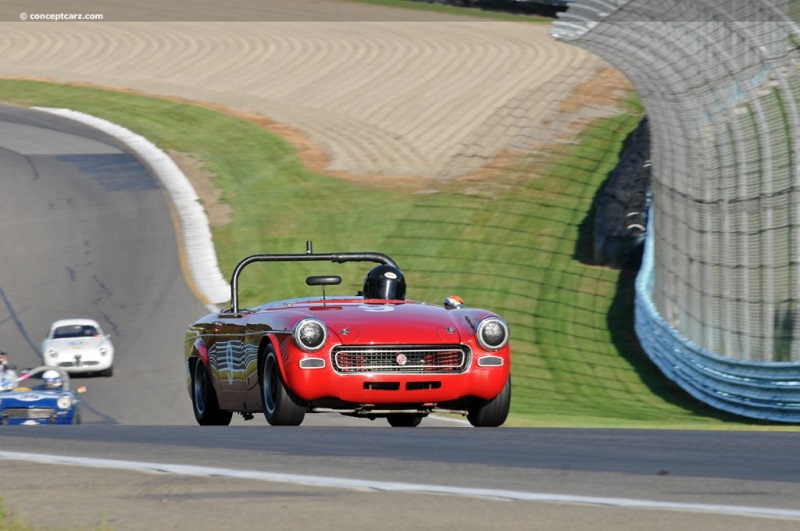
40	396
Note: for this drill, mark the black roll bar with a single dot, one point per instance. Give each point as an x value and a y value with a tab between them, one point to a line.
309	256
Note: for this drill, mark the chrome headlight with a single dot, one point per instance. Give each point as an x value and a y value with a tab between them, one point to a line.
103	351
64	402
492	333
310	334
53	353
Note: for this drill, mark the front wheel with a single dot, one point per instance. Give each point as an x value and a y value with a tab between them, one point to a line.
281	407
204	399
490	413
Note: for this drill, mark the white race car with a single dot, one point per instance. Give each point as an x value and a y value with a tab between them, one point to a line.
78	346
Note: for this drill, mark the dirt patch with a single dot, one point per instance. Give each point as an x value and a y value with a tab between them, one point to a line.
595	97
315	158
606	88
217	211
600	96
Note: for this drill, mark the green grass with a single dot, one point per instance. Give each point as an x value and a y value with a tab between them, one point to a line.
510	241
10	521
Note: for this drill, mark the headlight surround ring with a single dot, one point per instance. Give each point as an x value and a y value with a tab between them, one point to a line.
492	333
64	402
310	334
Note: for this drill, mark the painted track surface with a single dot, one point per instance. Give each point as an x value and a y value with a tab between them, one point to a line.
427	98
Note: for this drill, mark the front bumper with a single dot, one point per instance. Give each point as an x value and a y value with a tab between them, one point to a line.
86	363
16	416
393	388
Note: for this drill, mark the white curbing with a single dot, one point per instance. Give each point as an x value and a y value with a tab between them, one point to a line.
198	245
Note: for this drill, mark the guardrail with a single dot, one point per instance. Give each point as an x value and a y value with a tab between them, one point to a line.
761	390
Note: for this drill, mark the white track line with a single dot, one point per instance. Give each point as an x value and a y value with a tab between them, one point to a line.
413	488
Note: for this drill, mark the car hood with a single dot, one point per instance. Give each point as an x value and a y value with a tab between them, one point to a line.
392	323
76	342
30	396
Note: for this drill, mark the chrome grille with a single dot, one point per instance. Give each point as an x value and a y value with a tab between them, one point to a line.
417	359
29	413
76	364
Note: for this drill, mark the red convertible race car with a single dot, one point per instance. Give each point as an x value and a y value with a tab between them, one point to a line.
371	355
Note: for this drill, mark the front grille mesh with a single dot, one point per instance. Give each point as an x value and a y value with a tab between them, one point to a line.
29	413
417	359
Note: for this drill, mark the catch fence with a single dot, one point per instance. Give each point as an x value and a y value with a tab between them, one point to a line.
717	296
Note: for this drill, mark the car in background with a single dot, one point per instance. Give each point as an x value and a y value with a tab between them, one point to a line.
78	346
41	396
370	355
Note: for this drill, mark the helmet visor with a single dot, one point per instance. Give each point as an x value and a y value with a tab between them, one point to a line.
387	289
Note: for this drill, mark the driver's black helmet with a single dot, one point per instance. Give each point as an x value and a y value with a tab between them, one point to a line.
385	282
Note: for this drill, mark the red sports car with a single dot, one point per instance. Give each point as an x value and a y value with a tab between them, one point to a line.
369	355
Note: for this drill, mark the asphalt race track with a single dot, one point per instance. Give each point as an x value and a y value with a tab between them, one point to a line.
135	477
85	229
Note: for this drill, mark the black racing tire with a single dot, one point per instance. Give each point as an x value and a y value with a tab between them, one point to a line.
281	407
204	399
404	420
490	413
76	417
108	372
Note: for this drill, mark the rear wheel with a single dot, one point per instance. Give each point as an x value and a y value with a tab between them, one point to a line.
204	399
490	413
403	420
281	407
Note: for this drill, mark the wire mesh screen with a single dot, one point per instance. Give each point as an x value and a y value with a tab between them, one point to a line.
719	81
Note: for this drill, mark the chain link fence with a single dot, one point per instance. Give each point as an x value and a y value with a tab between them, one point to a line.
720	82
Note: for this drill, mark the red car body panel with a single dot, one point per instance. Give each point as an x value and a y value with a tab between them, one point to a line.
407	323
